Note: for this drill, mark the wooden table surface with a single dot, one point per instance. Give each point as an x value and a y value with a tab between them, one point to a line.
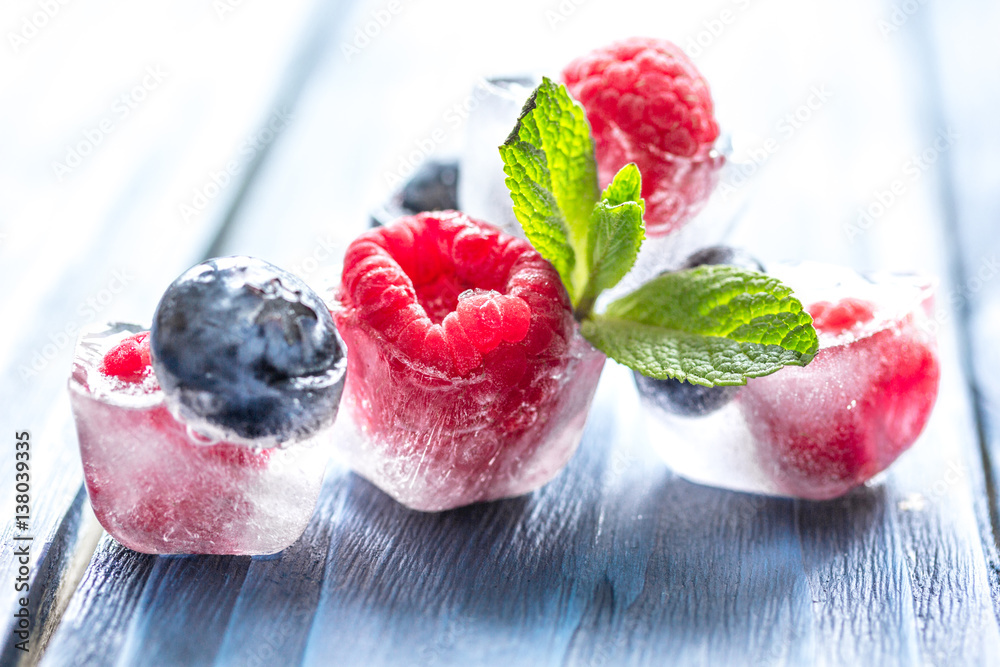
615	562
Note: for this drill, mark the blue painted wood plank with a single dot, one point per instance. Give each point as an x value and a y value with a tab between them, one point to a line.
616	558
967	57
853	551
273	613
184	610
57	502
52	556
96	625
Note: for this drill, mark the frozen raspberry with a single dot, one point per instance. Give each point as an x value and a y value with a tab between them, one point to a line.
129	360
647	104
861	403
648	89
158	486
444	291
461	345
836	318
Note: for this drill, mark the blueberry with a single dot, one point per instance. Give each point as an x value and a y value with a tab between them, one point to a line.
433	188
245	350
684	398
721	254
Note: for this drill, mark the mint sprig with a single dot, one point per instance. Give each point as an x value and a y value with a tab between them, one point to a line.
712	325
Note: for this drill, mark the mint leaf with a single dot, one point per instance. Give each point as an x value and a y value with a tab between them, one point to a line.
552	177
616	233
626	187
536	208
711	325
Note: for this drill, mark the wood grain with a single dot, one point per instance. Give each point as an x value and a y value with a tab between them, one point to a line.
95	626
965	57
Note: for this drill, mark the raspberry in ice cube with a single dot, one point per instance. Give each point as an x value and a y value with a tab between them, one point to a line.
468	379
648	104
831	426
818	431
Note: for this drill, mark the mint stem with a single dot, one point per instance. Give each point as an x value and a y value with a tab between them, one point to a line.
584	308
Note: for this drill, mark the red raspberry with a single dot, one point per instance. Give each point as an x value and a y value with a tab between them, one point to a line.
443	292
834	424
648	89
648	104
840	317
129	359
461	354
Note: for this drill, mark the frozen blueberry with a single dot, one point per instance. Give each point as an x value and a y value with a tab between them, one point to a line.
434	187
245	350
684	398
722	254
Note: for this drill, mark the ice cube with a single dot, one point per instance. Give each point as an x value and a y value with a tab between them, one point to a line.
159	487
435	446
818	431
434	187
482	189
467	377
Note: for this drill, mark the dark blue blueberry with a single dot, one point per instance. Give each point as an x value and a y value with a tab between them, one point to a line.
434	187
723	254
246	349
684	398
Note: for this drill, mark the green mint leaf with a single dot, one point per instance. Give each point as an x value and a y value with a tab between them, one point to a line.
711	325
552	177
626	187
616	233
536	207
